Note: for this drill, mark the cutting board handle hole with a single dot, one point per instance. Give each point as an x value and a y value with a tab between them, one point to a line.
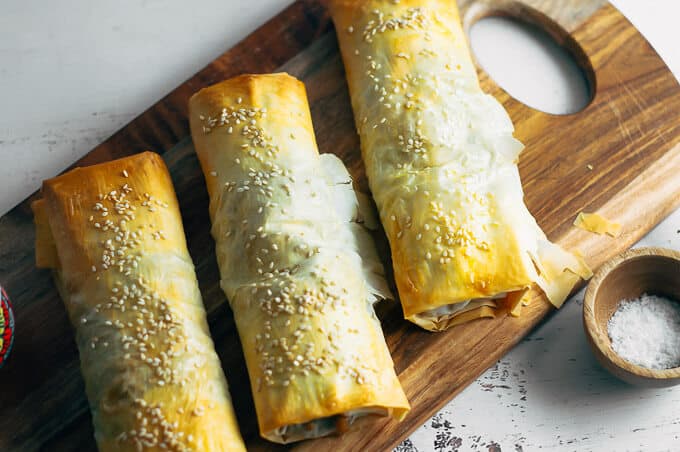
531	57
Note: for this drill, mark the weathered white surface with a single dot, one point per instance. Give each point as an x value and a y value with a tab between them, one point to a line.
73	72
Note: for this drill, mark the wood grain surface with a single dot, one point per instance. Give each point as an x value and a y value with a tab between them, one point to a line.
629	133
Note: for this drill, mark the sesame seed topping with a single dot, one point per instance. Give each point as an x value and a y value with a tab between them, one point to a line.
147	327
286	290
413	19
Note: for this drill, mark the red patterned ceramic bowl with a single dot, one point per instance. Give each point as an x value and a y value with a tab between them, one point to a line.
6	326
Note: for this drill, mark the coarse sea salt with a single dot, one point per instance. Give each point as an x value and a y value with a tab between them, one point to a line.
646	331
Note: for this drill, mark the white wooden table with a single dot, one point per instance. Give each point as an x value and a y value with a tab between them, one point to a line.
75	71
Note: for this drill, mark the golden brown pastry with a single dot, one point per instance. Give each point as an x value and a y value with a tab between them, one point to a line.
299	270
441	163
113	235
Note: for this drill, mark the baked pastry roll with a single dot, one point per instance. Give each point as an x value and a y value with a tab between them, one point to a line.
441	163
296	262
113	235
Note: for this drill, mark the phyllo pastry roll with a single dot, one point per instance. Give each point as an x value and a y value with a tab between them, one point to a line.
441	162
297	265
113	235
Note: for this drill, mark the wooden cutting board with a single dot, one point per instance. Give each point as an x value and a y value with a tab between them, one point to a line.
629	133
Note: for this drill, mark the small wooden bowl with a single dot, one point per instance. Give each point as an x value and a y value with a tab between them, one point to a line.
643	270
